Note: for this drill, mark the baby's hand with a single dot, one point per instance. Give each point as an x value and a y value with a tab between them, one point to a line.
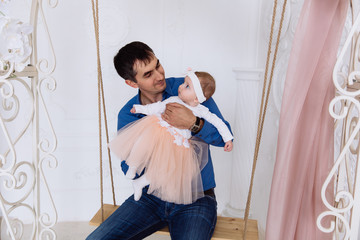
133	110
228	146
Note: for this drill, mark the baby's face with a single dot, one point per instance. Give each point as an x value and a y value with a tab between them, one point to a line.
187	93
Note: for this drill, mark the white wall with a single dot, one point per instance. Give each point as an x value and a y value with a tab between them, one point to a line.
207	35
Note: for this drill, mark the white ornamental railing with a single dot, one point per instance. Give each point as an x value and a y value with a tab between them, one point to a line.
23	79
344	209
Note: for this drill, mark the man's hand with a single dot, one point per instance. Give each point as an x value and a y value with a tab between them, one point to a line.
178	116
133	110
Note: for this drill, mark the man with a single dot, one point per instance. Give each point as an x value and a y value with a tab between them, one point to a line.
138	65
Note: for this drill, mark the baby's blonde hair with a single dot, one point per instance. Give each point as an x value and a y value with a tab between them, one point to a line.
207	83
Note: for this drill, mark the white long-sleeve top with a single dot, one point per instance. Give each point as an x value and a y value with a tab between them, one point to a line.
199	111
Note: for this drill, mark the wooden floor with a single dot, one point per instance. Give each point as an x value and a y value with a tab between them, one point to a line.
226	227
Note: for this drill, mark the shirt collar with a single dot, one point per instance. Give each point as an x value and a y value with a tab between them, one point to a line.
168	92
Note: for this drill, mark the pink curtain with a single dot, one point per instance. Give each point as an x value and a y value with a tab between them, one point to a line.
305	141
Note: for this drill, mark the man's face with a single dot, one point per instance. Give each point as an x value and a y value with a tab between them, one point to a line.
150	77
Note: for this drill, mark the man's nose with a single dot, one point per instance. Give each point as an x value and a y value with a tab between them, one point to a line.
158	75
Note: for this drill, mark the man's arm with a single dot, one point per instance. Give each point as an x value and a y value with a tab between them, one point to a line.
124	118
178	115
181	117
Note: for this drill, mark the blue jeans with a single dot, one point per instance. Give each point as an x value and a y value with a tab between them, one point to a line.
139	219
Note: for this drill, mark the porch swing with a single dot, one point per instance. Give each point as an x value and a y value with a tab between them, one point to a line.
226	227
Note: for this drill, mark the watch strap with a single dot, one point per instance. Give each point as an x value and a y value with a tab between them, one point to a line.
196	126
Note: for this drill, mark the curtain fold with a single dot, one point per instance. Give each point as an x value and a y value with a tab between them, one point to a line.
305	141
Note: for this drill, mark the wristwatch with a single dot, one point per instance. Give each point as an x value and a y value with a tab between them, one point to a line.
196	126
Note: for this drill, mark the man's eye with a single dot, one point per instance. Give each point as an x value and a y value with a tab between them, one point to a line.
187	86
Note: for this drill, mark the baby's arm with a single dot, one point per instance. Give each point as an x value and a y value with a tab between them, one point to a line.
220	126
149	109
152	108
208	132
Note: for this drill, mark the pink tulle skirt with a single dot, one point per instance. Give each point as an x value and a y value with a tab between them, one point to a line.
172	170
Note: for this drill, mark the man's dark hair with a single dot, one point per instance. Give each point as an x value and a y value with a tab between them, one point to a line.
126	57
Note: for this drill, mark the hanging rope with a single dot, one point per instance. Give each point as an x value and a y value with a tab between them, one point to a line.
264	103
101	99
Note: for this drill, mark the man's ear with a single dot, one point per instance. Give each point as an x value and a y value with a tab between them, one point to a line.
131	83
